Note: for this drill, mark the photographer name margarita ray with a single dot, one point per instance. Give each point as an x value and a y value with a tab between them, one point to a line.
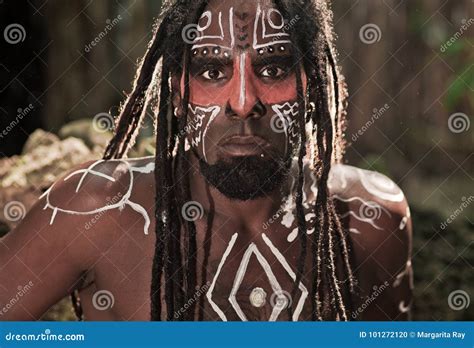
441	335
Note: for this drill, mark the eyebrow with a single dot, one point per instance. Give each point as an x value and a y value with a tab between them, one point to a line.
204	61
277	60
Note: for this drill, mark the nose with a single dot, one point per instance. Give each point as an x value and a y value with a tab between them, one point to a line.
243	99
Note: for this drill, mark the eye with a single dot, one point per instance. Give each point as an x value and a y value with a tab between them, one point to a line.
213	75
272	72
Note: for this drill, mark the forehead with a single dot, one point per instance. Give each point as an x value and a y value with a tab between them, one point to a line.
242	25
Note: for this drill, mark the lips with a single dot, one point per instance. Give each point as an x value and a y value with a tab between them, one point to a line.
244	145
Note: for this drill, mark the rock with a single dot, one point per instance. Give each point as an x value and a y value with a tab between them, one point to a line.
39	138
85	130
24	178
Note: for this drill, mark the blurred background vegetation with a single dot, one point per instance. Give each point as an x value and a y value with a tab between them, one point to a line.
68	82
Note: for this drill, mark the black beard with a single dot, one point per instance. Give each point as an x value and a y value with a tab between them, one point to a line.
246	178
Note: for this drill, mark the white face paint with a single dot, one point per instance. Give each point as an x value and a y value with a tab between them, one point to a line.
264	24
124	201
243	88
196	127
205	22
287	114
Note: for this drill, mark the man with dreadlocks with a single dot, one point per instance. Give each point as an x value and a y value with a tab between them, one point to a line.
254	216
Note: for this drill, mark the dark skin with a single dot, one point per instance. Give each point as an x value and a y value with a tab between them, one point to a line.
114	254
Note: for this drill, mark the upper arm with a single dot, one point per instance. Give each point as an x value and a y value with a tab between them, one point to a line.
381	233
388	283
44	257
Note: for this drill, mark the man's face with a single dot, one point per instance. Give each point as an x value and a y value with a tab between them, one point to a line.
243	101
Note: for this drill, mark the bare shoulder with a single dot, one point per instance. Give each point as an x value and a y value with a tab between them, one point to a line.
100	188
372	198
373	202
376	212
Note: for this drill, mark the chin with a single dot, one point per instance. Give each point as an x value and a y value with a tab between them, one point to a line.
245	177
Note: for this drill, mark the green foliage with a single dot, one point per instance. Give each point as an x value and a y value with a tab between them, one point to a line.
460	88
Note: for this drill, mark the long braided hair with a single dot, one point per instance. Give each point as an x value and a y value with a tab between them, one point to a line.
174	268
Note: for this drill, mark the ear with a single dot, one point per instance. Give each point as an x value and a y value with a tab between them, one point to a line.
177	99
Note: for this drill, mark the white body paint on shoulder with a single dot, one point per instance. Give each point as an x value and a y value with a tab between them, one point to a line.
125	201
380	186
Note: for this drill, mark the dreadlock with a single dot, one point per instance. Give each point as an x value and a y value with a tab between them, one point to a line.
174	271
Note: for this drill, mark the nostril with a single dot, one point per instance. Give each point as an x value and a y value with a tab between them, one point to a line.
257	111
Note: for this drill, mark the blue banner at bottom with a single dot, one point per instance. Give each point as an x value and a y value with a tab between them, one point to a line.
245	335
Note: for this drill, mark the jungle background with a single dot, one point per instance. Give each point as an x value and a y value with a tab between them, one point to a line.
54	83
